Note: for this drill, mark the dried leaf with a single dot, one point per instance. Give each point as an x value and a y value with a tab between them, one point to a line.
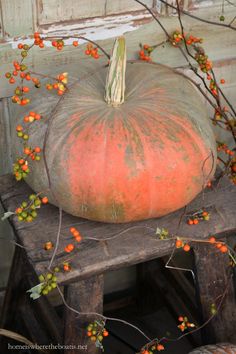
7	215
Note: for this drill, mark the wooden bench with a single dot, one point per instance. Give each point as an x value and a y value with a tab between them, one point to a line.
136	243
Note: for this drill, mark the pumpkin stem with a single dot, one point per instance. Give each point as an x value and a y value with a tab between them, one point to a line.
115	81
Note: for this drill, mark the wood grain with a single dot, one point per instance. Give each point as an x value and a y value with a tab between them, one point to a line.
137	244
5	138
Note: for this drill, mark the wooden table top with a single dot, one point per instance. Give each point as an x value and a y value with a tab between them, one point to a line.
136	241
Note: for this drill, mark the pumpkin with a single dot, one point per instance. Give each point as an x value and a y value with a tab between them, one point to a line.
221	348
142	151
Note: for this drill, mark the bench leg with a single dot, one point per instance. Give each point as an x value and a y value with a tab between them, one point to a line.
84	296
213	278
12	296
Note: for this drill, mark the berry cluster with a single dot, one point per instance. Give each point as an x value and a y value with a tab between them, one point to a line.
220	245
31	117
222	147
70	247
213	309
153	349
201	215
145	52
38	41
60	85
20	133
96	331
33	153
177	38
58	44
27	210
21	169
93	52
19	93
49	281
202	59
185	324
180	244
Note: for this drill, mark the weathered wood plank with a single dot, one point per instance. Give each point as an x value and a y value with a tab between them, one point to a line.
17	17
5	138
137	243
120	6
51	61
57	11
87	297
214	276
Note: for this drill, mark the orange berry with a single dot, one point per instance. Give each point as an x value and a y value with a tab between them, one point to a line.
20	46
195	221
24	167
76	233
78	238
19	128
205	213
48	245
218	244
25	89
19	210
180	319
222	81
21	161
186	247
27	151
72	229
89	333
37	149
224	249
75	43
12	80
145	46
212	239
190	221
88	52
105	333
66	267
145	352
26	119
60	92
37	116
45	200
70	247
160	347
178	243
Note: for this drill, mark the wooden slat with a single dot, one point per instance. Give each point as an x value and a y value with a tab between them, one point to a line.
214	276
120	6
58	11
136	245
5	138
17	17
85	297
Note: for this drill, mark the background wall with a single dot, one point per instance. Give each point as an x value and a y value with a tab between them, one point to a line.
101	20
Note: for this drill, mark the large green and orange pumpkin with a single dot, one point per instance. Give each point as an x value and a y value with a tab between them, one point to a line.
220	348
143	150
